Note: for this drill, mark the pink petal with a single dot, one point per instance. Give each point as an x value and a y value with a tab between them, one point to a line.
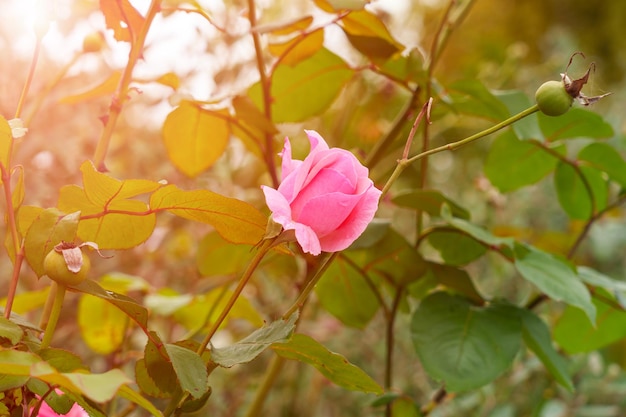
308	240
326	182
355	223
324	214
278	205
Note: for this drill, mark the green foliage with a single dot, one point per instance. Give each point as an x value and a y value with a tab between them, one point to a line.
462	345
158	168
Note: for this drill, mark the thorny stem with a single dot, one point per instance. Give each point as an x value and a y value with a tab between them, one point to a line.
121	95
267	94
58	292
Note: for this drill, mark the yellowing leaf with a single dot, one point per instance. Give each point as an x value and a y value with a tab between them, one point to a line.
6	137
101	188
170	79
108	218
298	49
194	137
285	28
306	89
122	17
332	6
369	35
105	88
235	220
102	325
18	188
48	229
253	125
28	301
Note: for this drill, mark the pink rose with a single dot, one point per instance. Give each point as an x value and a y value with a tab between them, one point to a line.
328	199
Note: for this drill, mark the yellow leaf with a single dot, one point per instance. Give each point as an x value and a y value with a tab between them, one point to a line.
235	220
194	314
194	137
108	218
48	229
364	23
298	49
285	28
101	188
6	137
333	6
106	88
123	224
170	79
26	302
253	125
18	189
123	18
102	325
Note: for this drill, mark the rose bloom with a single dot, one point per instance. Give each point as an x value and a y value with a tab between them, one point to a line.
327	199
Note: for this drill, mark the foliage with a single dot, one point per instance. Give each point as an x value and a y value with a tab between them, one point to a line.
481	272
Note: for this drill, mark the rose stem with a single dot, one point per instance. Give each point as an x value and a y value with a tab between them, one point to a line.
277	362
403	163
245	278
59	294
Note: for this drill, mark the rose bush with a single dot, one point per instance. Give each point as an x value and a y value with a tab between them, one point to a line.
328	198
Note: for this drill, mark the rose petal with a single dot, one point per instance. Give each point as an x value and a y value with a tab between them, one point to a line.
355	224
326	182
278	205
324	214
308	240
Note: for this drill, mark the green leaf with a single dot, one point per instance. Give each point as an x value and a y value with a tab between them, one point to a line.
195	137
344	293
554	277
48	229
456	280
133	396
251	346
62	360
575	334
473	98
10	331
474	231
574	196
98	387
332	365
512	163
190	370
455	247
604	157
306	89
576	123
159	367
429	201
597	279
235	220
217	256
515	102
537	338
462	345
130	307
